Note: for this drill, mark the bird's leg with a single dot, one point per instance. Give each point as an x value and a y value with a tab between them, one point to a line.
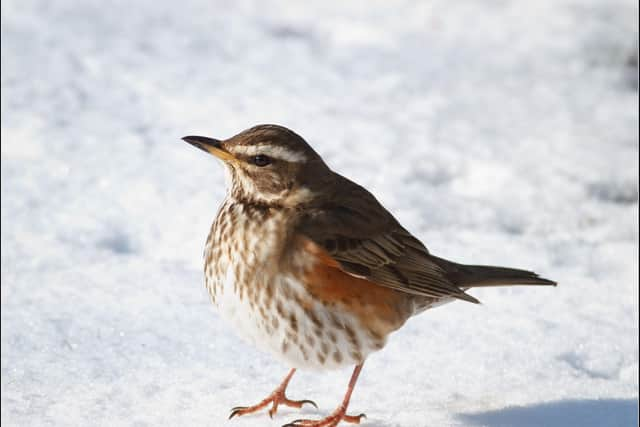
277	397
340	414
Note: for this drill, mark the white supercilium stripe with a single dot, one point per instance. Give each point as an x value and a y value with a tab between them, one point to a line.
273	151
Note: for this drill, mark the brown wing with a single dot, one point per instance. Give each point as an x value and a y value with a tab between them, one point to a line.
368	242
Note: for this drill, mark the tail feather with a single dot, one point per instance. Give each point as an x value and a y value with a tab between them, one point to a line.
472	276
481	275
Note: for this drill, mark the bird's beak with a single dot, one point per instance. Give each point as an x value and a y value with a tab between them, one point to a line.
210	145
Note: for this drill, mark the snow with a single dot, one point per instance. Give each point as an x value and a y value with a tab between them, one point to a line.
497	132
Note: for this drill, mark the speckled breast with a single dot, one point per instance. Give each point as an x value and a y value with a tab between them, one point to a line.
258	284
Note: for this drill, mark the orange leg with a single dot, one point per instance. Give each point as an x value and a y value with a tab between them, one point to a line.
277	397
340	414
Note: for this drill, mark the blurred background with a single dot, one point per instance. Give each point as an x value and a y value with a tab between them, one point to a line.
499	132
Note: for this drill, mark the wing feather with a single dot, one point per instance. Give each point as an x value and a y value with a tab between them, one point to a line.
368	242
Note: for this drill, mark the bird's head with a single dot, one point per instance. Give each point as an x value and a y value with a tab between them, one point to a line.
268	164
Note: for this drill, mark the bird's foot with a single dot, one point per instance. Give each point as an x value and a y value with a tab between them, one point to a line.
332	420
276	398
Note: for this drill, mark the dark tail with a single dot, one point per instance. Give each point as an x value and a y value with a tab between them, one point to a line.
473	276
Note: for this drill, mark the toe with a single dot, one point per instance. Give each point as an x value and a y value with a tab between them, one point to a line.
298	403
353	419
297	423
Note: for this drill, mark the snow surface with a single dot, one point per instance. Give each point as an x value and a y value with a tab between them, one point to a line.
498	132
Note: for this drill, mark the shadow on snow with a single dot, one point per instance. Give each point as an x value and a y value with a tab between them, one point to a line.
562	413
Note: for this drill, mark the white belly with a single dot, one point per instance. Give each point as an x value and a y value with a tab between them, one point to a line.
315	337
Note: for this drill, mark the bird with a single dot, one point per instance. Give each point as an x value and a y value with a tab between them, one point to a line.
308	266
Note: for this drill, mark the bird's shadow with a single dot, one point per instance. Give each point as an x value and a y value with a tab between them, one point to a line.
561	413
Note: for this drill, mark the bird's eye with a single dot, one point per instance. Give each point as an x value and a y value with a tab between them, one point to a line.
261	160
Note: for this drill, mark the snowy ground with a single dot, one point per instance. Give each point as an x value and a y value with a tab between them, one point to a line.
498	132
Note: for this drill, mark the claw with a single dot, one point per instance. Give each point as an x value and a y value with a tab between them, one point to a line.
235	411
310	402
